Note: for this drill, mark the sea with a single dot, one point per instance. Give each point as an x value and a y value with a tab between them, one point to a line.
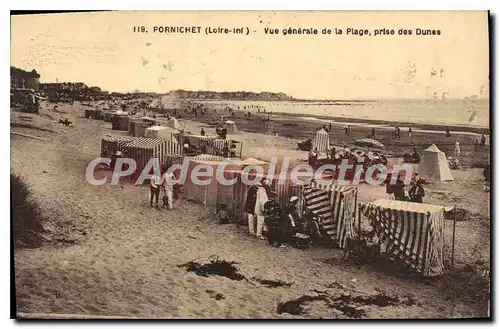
467	112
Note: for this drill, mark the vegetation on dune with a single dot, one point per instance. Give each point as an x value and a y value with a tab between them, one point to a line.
26	215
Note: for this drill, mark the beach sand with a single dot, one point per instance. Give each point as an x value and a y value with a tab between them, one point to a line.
109	253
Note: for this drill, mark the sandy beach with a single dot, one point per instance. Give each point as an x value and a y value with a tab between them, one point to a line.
108	253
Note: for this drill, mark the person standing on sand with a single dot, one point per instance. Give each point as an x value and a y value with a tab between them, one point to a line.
483	140
330	127
399	190
249	208
168	189
346	130
409	132
448	134
202	132
373	133
155	183
476	144
457	149
261	199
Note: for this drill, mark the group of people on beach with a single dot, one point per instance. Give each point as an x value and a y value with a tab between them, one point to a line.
263	211
415	193
164	184
397	132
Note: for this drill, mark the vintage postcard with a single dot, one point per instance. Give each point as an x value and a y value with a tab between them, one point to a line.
251	165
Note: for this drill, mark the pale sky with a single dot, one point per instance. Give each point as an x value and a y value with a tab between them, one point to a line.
101	49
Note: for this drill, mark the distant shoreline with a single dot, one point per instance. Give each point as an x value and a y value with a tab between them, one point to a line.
345	119
401	124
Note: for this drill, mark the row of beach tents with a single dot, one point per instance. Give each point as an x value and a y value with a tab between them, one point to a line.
433	163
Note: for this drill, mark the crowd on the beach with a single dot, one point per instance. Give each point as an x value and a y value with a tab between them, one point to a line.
283	225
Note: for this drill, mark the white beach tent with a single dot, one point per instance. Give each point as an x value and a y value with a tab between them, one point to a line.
162	132
230	126
434	165
173	123
321	141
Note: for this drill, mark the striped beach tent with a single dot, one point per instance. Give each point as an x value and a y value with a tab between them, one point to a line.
143	149
412	232
207	192
321	140
111	144
334	205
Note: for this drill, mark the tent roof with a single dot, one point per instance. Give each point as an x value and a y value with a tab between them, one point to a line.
157	128
407	206
321	131
433	148
200	137
145	142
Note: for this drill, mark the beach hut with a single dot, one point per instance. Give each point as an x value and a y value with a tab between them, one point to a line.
111	144
206	190
120	122
434	165
173	123
162	132
321	141
108	115
335	205
89	113
137	126
230	126
412	232
143	149
98	115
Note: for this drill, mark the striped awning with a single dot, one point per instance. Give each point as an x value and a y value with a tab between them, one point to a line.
146	143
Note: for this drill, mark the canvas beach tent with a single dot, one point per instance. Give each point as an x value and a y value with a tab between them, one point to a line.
321	141
162	132
173	123
230	126
335	206
434	165
412	232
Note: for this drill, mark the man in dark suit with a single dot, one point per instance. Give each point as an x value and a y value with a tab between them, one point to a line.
249	208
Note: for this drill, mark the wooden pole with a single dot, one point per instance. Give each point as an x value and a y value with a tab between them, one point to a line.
453	240
359	220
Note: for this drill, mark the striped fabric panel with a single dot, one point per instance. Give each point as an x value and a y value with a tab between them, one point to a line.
319	203
113	144
206	157
335	205
321	141
239	195
414	237
143	149
436	245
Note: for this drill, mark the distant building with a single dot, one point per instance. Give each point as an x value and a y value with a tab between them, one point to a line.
24	79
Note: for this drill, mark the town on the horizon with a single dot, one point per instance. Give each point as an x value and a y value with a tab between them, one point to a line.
23	79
